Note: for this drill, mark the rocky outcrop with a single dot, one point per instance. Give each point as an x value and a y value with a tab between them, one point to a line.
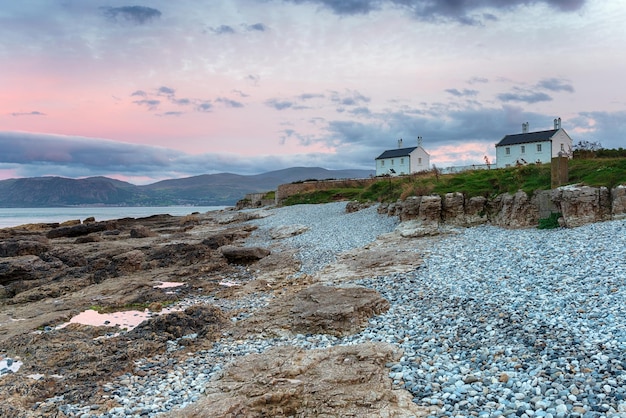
28	245
618	202
342	381
581	205
578	205
79	230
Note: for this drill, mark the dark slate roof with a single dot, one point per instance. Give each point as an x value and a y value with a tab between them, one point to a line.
395	153
527	138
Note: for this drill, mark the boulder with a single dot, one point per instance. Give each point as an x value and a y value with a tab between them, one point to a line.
243	255
337	311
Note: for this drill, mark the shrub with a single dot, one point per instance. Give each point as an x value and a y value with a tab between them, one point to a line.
551	222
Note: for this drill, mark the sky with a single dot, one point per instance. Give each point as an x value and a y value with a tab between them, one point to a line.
145	91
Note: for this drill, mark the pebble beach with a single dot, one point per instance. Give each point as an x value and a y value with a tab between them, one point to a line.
494	323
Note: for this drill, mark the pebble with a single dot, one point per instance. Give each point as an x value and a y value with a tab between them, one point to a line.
495	323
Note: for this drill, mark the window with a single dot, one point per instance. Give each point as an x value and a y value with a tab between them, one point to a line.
507	151
419	160
382	163
401	160
538	147
392	162
562	147
523	149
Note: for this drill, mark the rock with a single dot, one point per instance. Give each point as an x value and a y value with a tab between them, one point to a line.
581	205
287	231
476	211
89	220
88	238
415	228
203	320
142	232
29	245
354	206
27	268
335	310
453	208
287	381
129	261
243	255
79	230
224	238
618	202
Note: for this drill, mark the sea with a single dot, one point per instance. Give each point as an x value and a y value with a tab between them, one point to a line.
19	216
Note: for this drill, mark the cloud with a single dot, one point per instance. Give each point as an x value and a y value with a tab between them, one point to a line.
167	91
260	27
476	80
151	104
204	107
279	104
171	113
133	14
140	93
463	93
309	96
464	11
229	103
519	95
556	84
223	30
349	98
33	113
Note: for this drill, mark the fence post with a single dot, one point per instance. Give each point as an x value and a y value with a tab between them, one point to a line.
559	171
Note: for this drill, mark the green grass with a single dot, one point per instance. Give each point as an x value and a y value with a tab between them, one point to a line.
323	196
607	172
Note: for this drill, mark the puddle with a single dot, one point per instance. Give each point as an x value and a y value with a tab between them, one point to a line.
166	285
123	319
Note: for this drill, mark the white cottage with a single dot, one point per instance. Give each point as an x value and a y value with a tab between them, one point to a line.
400	161
533	147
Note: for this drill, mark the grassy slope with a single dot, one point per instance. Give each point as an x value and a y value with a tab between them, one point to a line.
607	172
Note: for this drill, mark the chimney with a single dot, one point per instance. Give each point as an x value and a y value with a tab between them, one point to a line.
419	141
400	143
557	123
525	128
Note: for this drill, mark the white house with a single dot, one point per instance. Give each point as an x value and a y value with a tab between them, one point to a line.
400	161
533	147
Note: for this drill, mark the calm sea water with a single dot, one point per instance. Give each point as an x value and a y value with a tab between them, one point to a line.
20	216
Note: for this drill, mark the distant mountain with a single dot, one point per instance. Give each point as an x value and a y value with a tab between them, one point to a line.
223	189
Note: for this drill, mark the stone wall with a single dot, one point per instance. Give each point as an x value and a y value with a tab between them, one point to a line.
578	205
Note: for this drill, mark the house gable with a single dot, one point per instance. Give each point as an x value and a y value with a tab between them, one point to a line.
402	161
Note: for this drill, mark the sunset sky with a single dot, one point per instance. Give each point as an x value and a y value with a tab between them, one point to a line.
143	91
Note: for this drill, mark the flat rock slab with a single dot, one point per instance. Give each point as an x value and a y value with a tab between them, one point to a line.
335	310
318	309
287	231
342	381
